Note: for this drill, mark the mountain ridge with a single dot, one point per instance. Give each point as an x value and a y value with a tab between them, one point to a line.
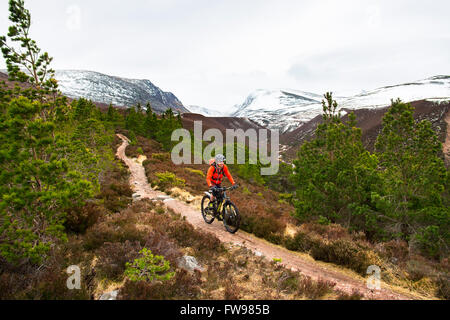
119	91
287	109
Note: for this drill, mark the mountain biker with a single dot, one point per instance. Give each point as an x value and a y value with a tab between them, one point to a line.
215	174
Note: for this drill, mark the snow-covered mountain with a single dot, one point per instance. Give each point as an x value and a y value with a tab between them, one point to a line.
287	109
207	112
107	89
216	112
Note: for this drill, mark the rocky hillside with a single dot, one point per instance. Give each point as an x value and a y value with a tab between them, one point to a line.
116	90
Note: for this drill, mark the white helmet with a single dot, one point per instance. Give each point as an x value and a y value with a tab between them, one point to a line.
220	158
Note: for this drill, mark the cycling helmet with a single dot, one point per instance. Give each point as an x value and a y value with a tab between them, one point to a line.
220	158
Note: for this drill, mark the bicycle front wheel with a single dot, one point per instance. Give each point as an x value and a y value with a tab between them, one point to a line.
231	218
207	210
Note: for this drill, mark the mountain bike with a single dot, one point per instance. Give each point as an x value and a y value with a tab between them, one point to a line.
221	208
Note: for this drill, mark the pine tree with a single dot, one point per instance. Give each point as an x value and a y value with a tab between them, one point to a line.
414	195
36	185
26	55
333	172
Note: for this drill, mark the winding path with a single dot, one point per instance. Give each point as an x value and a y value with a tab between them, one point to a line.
345	280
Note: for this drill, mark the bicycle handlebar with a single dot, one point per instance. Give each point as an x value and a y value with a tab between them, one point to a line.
228	188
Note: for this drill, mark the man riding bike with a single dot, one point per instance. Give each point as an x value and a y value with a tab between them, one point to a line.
215	175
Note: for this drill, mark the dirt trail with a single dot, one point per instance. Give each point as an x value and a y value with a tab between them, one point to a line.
345	281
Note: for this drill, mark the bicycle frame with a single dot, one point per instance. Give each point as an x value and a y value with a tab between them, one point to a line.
224	199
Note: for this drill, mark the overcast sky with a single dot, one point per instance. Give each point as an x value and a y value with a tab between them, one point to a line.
214	53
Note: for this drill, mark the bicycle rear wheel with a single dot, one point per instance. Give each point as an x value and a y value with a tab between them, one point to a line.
207	210
231	218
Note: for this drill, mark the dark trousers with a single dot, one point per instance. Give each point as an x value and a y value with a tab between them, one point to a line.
216	193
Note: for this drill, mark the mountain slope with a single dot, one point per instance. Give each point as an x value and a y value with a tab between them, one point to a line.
286	110
370	122
107	89
206	112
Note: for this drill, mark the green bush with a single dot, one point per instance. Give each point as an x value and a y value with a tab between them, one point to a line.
199	172
245	190
168	180
148	268
161	156
286	197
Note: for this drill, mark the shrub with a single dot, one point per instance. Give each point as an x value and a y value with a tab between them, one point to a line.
443	286
204	243
288	281
314	289
327	231
345	253
112	258
167	180
286	197
115	189
182	286
231	291
246	191
161	156
148	268
31	282
159	243
112	231
79	219
198	172
355	295
397	249
261	226
302	242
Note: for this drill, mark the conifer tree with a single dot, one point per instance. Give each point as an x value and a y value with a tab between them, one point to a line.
22	53
38	183
414	193
333	172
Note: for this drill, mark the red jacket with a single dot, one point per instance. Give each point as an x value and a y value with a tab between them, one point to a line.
214	177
